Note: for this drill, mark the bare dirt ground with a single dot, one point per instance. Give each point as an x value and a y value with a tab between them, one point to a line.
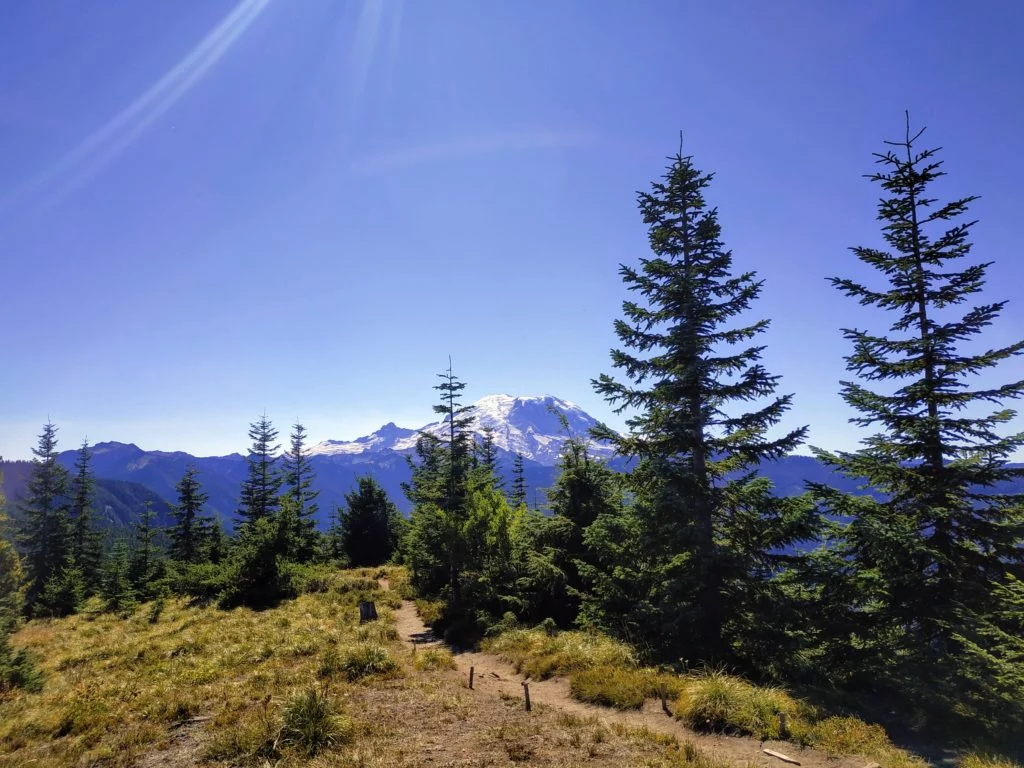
495	678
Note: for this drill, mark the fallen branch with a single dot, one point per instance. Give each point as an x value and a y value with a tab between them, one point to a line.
782	757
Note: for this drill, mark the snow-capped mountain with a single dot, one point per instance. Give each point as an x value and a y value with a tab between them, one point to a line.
527	425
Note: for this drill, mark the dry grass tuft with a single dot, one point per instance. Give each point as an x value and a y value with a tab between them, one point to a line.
434	659
981	760
539	655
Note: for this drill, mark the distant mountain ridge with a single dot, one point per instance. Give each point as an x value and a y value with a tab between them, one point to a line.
528	425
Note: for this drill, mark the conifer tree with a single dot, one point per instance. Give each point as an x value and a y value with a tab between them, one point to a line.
259	496
518	497
299	476
190	534
440	489
116	587
488	456
44	530
17	669
687	358
86	540
370	526
936	552
145	557
218	543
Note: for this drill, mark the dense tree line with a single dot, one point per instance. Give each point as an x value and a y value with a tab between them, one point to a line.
914	592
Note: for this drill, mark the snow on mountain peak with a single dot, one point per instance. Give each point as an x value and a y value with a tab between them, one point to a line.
527	425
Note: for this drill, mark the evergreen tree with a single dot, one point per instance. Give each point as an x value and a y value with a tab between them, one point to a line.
64	592
190	534
17	669
146	562
259	495
370	526
299	476
938	550
488	456
86	540
218	543
687	360
440	489
518	497
44	530
118	594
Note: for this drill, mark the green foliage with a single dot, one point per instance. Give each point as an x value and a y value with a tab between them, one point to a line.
190	534
311	723
64	592
146	566
371	527
260	490
518	496
540	655
17	667
359	661
255	575
925	573
706	524
86	546
609	687
719	702
44	527
433	659
298	477
116	588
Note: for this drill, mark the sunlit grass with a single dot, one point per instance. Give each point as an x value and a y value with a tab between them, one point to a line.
116	688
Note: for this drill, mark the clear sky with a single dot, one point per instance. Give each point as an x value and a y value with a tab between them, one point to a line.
211	209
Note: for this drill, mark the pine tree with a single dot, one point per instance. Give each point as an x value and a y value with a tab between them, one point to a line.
487	452
370	525
190	534
945	535
116	589
17	667
688	359
145	557
218	543
440	489
44	529
86	540
259	495
518	497
299	476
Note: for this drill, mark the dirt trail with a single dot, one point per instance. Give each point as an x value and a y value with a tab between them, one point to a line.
494	677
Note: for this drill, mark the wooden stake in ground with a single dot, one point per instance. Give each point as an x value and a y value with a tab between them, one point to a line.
471	678
526	693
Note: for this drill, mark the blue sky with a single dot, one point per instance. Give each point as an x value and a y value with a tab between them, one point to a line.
211	209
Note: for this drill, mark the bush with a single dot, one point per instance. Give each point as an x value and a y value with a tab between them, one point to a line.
311	723
715	701
18	669
309	579
358	661
202	581
431	611
63	594
539	655
255	575
609	687
433	659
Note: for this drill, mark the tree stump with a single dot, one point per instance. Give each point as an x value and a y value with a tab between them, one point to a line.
367	612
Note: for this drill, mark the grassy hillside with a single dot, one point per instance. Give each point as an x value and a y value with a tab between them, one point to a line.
303	683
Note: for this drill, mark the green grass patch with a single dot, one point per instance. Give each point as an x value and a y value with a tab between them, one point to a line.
434	659
430	611
358	661
540	655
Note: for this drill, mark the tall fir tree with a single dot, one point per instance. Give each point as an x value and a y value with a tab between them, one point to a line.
86	539
260	489
298	477
12	577
687	359
487	452
518	496
935	553
44	531
190	535
146	560
440	490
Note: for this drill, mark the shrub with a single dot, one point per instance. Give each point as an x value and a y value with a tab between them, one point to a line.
309	579
431	611
311	723
609	687
715	701
255	575
358	661
539	655
18	669
63	594
434	659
